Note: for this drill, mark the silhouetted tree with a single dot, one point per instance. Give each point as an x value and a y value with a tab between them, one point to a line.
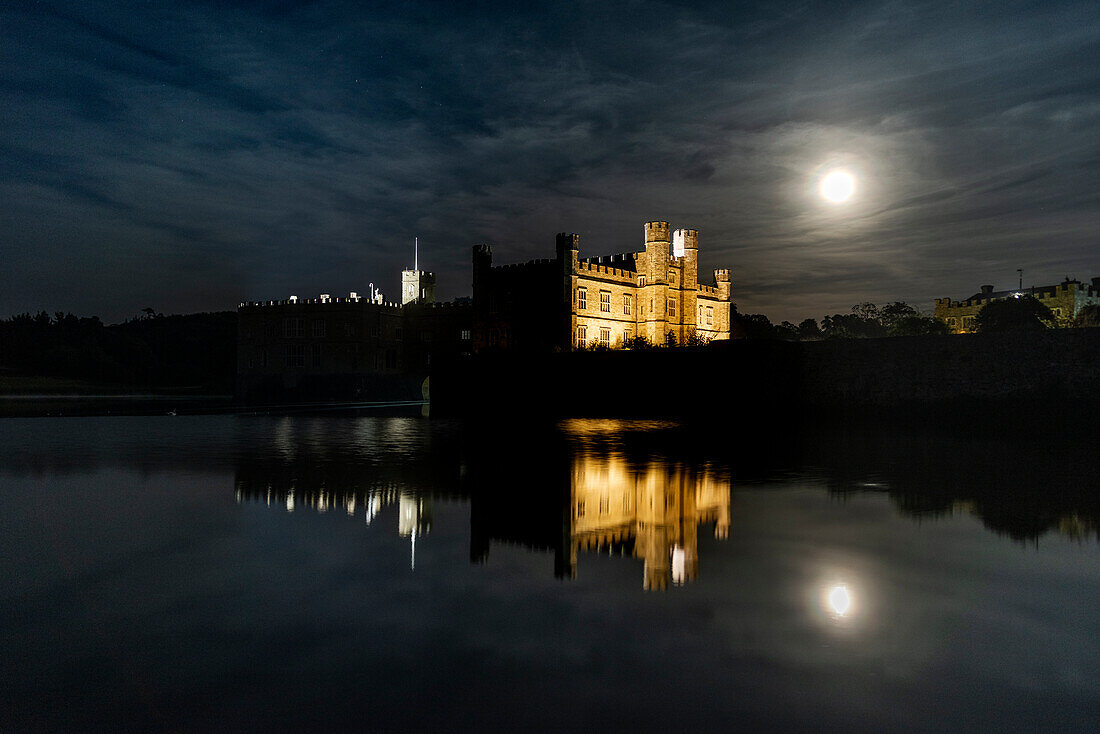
1014	314
808	329
751	326
855	325
787	331
918	325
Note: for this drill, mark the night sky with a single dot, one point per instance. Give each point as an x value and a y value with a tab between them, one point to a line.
187	156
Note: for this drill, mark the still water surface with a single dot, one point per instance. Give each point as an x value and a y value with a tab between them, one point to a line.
222	573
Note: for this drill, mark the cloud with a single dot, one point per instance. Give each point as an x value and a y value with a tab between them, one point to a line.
263	149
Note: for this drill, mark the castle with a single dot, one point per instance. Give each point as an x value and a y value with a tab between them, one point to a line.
348	347
609	301
1064	300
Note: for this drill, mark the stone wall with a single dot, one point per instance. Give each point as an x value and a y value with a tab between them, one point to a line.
742	380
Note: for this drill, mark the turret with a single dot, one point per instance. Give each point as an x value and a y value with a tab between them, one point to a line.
722	281
685	244
417	286
483	263
657	251
566	249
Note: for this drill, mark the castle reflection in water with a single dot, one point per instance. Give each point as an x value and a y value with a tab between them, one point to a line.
650	509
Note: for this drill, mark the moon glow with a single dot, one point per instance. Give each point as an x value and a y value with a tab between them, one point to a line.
838	186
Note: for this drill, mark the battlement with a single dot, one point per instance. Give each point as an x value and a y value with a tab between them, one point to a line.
618	260
568	241
708	289
684	240
656	232
482	250
606	270
326	300
529	264
722	275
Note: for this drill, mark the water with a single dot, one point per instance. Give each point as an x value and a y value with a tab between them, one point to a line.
226	573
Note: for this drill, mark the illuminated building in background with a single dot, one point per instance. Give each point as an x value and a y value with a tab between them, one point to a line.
1065	300
608	301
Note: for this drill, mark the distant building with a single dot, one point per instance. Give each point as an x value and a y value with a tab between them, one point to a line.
348	347
1065	300
569	302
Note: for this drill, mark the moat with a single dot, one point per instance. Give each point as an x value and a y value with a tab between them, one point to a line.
224	573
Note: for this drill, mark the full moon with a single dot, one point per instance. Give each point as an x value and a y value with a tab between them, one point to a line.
838	186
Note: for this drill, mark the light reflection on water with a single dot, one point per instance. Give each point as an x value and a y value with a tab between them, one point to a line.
483	575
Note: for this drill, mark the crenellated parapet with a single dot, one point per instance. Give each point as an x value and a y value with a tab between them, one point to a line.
606	271
656	232
294	301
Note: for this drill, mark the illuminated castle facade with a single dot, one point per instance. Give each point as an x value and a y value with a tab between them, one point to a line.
1065	300
607	301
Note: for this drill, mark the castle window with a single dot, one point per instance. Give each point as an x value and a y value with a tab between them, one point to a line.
641	281
464	335
316	350
605	301
318	327
293	328
295	355
582	335
627	303
349	330
672	307
582	299
628	334
710	315
605	505
580	509
399	334
605	337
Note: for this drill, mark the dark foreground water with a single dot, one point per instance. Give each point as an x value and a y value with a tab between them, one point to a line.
403	574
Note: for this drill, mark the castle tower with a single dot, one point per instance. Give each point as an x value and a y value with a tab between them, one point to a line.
566	248
657	245
685	244
722	280
417	286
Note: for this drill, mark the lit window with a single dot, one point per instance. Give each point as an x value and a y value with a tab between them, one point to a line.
605	337
605	301
672	307
464	335
627	303
582	299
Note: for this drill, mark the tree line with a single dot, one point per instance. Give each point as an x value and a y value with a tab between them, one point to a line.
868	321
151	350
